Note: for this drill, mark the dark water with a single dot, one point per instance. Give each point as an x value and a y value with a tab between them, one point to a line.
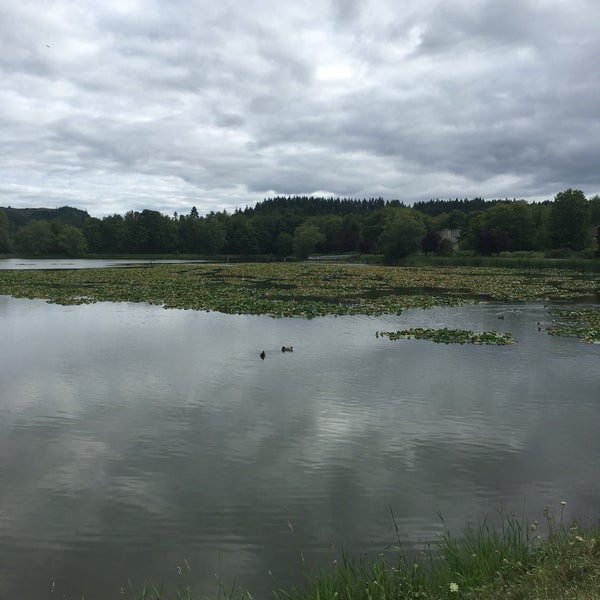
134	439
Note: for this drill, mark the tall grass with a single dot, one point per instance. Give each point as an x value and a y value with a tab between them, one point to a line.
509	561
516	560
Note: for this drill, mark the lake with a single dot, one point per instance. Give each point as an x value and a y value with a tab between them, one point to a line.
136	442
83	263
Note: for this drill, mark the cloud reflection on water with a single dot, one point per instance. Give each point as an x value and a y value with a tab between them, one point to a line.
126	424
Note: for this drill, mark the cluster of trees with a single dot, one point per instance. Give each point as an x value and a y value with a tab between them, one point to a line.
21	232
302	225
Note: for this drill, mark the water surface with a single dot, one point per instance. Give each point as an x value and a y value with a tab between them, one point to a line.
133	437
82	263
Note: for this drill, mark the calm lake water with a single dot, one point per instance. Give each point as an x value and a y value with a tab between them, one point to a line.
135	441
81	263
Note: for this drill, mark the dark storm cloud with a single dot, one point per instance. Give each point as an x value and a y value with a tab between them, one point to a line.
116	106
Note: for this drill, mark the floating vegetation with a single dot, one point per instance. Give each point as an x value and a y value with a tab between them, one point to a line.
297	289
450	336
582	323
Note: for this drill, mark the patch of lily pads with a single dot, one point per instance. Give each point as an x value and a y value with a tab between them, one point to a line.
450	336
297	289
582	323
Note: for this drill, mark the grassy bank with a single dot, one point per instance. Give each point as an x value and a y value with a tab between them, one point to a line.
515	561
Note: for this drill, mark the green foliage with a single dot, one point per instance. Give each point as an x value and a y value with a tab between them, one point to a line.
568	224
595	224
515	559
450	336
402	234
583	323
36	239
284	245
308	206
510	561
214	236
465	206
149	231
481	552
71	241
19	217
453	220
102	235
295	289
350	234
431	242
92	230
4	231
540	216
512	223
505	226
569	220
42	238
241	236
306	238
330	228
446	248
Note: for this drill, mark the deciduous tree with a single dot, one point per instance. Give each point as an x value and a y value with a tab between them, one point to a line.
569	220
402	234
306	238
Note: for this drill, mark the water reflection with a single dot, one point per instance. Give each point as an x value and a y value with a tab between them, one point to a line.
83	263
132	437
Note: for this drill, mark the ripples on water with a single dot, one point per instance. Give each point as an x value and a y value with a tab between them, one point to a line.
132	437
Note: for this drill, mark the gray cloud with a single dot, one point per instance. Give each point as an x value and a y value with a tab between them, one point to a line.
111	107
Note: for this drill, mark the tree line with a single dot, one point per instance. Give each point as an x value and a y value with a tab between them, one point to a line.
304	225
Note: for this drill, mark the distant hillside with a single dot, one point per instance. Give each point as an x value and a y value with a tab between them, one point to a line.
19	217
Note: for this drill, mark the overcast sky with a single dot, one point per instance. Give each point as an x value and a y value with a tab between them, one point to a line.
117	105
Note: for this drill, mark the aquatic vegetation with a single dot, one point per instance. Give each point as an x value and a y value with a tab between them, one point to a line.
583	323
450	336
296	289
511	560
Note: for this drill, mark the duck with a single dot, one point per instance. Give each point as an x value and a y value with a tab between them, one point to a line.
262	355
287	348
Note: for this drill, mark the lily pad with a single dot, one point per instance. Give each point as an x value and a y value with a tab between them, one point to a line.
296	289
583	323
450	336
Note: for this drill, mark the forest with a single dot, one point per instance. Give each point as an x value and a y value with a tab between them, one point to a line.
300	226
